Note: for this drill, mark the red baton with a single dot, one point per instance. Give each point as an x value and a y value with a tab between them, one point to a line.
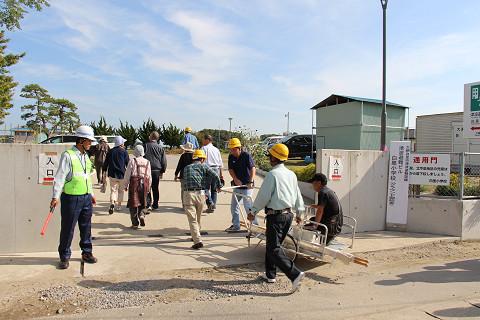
48	219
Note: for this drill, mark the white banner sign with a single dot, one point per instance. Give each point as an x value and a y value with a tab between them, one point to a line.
335	168
430	169
47	167
397	193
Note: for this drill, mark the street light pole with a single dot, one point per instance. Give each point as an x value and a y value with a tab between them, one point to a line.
383	131
230	128
288	121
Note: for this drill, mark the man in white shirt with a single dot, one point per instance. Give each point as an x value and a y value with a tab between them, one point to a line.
214	161
279	196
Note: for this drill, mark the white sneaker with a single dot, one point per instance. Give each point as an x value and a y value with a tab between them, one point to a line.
264	277
119	208
298	280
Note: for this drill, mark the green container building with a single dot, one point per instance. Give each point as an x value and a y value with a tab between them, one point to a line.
353	123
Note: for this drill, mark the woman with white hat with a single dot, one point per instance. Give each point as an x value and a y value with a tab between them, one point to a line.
137	180
116	162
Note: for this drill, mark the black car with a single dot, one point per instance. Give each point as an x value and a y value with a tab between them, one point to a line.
299	145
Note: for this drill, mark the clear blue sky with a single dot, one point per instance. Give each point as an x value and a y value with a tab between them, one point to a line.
196	63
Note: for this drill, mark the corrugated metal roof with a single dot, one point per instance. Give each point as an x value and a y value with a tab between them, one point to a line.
335	99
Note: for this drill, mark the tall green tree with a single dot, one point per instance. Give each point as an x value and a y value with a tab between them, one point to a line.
171	135
102	128
128	132
63	116
11	11
146	129
7	85
36	114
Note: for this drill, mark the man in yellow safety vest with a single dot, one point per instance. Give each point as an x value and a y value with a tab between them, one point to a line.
73	185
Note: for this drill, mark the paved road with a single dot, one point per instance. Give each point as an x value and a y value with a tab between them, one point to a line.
433	291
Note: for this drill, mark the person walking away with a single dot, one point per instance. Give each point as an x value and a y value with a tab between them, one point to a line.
73	186
278	195
189	137
185	160
158	161
214	161
137	180
115	164
242	170
197	176
101	150
329	210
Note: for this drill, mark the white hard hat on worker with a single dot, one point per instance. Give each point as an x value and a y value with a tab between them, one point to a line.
86	132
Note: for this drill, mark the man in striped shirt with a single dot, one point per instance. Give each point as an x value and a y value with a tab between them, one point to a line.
197	177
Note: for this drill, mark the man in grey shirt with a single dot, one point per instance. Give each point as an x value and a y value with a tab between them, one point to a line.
158	162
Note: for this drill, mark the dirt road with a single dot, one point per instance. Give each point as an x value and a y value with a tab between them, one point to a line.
439	280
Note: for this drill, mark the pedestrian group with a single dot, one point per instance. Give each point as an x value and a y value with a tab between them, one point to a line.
199	171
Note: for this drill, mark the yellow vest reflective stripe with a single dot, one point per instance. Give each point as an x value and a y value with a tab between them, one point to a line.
81	181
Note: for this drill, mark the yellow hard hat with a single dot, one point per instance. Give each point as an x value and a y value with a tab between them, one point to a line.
234	143
279	151
188	129
199	154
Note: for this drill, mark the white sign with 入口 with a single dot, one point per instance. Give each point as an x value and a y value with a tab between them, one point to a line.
47	167
335	168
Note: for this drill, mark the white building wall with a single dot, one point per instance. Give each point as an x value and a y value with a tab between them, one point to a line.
435	216
25	202
471	220
434	132
362	189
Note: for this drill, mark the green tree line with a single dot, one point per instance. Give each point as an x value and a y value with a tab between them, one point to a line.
169	134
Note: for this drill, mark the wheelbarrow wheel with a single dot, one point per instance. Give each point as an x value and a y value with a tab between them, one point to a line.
290	247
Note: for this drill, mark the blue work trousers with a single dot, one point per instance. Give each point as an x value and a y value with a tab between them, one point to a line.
75	209
277	229
211	192
235	208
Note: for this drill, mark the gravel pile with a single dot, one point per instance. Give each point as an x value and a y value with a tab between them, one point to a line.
148	292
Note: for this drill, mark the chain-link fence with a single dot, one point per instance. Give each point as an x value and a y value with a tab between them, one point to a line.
464	176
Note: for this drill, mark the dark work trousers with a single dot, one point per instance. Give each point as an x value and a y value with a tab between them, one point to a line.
135	214
73	209
331	231
277	229
100	176
154	192
211	192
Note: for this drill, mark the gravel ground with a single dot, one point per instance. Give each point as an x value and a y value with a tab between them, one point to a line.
47	297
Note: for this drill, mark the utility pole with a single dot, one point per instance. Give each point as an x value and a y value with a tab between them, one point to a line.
383	130
288	122
230	128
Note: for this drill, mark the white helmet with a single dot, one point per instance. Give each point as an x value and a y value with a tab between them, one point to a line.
86	132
